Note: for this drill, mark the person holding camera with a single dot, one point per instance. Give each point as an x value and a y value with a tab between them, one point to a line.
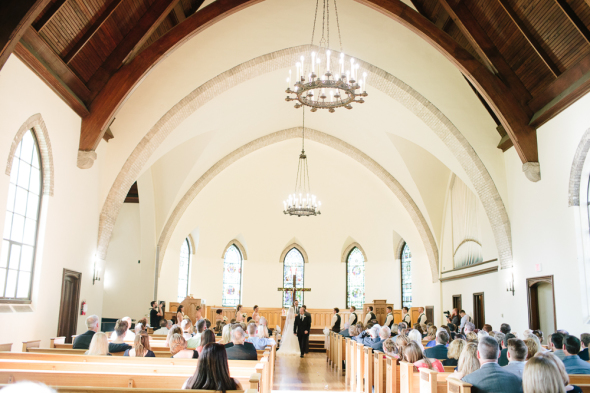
156	313
454	317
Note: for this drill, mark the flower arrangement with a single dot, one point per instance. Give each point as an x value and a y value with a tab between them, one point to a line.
224	318
245	315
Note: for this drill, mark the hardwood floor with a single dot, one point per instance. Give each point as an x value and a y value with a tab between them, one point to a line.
310	373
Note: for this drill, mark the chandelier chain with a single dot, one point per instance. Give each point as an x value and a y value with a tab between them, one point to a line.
338	24
317	3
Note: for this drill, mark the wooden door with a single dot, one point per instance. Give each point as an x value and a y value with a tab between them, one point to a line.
541	304
457	302
478	310
68	308
429	311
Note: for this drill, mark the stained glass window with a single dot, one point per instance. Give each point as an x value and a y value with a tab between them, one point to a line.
184	270
293	265
406	276
355	279
232	277
17	255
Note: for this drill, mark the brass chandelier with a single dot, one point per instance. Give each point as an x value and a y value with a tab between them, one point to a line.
338	85
302	203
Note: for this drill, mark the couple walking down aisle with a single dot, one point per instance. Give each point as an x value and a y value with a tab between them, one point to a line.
298	342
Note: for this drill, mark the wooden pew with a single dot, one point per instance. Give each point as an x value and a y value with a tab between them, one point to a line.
347	356
449	369
31	344
340	352
368	369
57	340
73	389
379	365
455	385
430	380
353	363
5	347
392	375
360	367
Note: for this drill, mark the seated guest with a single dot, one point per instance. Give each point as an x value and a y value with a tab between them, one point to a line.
454	352
175	329
505	328
539	335
431	336
165	327
573	363
418	327
345	331
471	337
585	341
141	347
373	335
389	347
143	323
239	351
138	328
84	339
226	335
208	324
491	377
384	334
401	328
500	337
446	327
561	368
487	328
195	341
532	347
503	361
187	329
556	345
482	333
413	354
439	351
212	372
206	338
219	328
99	345
118	345
468	361
401	342
179	350
517	352
262	339
394	329
452	330
251	331
469	327
415	336
129	335
541	376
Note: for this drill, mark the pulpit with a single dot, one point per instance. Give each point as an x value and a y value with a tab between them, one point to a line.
379	309
190	308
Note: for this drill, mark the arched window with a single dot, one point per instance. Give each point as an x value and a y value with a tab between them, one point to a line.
293	265
355	279
406	258
22	221
184	270
232	277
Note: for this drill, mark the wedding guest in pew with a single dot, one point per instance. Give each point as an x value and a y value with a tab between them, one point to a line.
187	329
118	345
505	328
431	336
487	328
262	339
468	361
84	339
585	340
517	353
491	377
499	336
541	376
99	346
240	350
503	361
384	334
469	327
129	335
206	338
401	328
454	352
415	336
179	314
179	350
556	345
143	322
138	329
174	330
389	347
212	372
439	351
226	335
394	329
141	347
539	334
446	327
373	336
401	342
482	333
471	337
573	363
345	331
418	327
532	347
207	324
219	328
195	340
251	331
452	330
414	354
165	327
561	368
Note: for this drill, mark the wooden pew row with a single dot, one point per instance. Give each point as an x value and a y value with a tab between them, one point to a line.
6	347
73	389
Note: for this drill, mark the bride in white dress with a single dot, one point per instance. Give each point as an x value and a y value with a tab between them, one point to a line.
289	341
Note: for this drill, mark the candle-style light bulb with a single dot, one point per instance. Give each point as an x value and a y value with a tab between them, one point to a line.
365	80
298	64
328	60
356	71
288	80
312	62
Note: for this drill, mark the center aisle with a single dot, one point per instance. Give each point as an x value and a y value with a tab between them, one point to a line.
293	373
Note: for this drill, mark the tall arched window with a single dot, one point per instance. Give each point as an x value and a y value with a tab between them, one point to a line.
22	221
406	258
232	277
184	270
355	279
293	265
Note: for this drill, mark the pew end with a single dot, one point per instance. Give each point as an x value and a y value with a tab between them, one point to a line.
455	385
75	389
31	344
254	381
6	347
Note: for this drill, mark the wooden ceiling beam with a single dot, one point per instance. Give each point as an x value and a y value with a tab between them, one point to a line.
119	86
531	40
504	104
486	50
15	17
574	19
81	43
49	14
179	13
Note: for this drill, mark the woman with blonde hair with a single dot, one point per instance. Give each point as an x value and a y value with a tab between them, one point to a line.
431	336
454	352
414	354
468	361
226	335
472	337
561	369
141	347
532	344
389	347
175	329
99	346
178	348
401	342
541	376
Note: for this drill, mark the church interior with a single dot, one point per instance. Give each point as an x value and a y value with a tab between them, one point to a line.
151	149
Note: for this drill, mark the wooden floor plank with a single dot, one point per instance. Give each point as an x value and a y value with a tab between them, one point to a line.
293	373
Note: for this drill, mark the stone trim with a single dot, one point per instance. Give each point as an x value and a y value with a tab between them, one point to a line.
236	243
350	248
289	248
191	241
577	168
399	249
327	140
377	78
36	123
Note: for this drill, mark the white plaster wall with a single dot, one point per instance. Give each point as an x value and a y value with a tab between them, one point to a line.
67	238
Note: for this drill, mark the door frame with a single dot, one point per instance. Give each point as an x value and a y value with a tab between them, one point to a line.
460	301
483	309
531	282
78	275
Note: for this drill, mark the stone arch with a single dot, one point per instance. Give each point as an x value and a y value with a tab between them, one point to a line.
327	140
350	248
577	168
292	246
399	249
37	125
236	243
377	78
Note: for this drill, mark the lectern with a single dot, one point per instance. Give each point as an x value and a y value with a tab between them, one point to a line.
190	308
379	309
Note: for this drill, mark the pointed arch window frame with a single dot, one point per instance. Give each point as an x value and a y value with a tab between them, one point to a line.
401	258
284	254
345	258
189	243
244	257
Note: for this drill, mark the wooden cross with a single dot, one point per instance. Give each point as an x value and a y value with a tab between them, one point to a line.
294	289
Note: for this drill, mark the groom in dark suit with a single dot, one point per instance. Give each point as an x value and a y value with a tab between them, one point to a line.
301	328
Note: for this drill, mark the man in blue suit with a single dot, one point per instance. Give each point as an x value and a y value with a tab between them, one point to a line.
585	339
491	377
384	334
573	363
439	351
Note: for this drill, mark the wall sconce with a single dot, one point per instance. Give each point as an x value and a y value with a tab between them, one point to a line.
510	284
96	271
